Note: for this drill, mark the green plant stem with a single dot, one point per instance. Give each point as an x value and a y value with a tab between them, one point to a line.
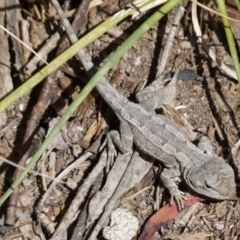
230	38
237	3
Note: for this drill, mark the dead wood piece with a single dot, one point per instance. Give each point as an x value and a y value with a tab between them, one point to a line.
137	166
32	125
6	80
13	20
79	198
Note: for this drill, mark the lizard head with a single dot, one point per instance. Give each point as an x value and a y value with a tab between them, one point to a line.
214	179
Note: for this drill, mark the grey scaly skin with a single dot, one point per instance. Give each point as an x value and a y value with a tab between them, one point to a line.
158	137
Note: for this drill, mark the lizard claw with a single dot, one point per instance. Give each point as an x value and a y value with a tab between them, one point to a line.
179	197
111	153
103	145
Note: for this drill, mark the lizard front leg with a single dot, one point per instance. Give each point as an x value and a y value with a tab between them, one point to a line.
168	177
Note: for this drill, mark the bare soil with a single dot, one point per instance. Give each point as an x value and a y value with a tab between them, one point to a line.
209	103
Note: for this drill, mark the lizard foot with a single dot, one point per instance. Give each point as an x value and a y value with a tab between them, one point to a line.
111	152
179	197
169	178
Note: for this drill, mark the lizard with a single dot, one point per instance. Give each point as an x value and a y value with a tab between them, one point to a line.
156	136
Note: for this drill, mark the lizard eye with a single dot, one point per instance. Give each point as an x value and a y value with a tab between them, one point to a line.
197	183
207	186
213	181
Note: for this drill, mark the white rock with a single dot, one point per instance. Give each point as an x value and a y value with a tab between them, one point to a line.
123	226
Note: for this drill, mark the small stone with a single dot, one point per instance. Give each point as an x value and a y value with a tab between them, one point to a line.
21	107
185	45
219	226
123	226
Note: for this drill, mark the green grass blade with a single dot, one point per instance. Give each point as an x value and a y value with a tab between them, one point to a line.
230	38
237	3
